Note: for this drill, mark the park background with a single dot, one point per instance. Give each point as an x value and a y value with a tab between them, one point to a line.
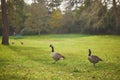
72	27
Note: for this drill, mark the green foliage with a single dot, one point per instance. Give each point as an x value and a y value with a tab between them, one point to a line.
70	23
55	20
44	16
37	18
16	14
32	60
97	19
87	3
51	4
114	18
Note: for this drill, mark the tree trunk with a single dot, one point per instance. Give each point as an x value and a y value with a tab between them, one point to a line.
5	29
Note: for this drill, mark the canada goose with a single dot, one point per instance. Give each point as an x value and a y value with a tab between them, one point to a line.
22	43
13	42
56	56
92	58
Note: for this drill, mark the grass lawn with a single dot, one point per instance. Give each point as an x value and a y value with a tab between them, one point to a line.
32	60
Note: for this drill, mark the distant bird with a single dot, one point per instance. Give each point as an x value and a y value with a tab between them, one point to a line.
22	43
13	42
56	56
93	58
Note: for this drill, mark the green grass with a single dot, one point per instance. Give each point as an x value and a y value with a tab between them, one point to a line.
32	60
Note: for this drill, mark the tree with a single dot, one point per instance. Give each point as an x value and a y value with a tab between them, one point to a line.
53	4
116	14
37	19
16	15
92	17
55	21
5	33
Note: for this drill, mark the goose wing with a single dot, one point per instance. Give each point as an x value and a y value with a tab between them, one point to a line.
96	58
59	55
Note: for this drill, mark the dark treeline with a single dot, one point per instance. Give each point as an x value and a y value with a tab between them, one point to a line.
79	16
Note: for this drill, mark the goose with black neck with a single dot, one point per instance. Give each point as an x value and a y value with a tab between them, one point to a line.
56	56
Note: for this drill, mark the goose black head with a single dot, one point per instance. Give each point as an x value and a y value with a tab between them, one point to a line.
89	52
51	45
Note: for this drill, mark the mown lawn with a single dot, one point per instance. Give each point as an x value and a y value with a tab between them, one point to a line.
32	60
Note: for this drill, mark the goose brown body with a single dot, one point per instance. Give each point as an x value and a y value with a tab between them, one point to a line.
56	56
93	58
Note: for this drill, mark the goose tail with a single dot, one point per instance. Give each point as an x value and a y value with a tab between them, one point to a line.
100	59
62	57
